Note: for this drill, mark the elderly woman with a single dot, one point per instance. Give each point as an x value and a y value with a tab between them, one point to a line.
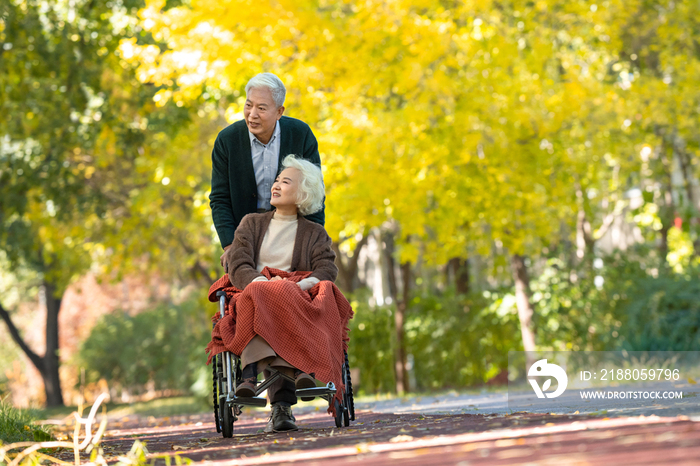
267	251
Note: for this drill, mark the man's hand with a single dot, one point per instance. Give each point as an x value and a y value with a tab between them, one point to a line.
223	256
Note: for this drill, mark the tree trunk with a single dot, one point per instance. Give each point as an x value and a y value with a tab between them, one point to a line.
52	381
522	299
667	208
400	373
687	171
585	243
459	269
667	217
399	319
48	364
348	268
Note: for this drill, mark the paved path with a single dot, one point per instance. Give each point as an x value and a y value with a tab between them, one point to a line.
421	431
568	403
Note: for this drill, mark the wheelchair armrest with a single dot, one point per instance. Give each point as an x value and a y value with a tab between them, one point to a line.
220	293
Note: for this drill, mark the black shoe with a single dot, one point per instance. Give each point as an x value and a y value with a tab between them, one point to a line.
281	419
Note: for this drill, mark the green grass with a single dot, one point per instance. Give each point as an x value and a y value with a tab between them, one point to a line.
17	425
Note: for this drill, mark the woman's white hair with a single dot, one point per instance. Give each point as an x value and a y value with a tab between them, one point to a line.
269	81
311	191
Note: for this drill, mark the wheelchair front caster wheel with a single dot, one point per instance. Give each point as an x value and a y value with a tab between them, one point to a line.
338	413
346	415
226	419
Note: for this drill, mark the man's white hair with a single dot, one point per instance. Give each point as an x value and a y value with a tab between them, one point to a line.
269	81
311	192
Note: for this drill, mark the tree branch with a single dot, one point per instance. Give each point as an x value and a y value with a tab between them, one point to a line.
198	268
352	269
37	360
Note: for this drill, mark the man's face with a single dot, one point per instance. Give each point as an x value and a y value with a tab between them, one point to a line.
261	113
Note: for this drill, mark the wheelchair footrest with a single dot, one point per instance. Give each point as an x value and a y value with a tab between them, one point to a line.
248	401
318	391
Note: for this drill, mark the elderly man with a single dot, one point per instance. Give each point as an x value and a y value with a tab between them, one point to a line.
246	160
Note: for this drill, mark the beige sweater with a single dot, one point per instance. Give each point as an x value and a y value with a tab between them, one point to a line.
278	246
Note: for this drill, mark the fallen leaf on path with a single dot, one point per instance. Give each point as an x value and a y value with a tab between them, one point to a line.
177	447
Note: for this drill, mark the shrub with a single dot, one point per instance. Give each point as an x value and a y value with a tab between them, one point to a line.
371	349
459	341
631	309
162	348
452	341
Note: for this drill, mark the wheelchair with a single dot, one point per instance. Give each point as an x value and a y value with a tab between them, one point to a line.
226	376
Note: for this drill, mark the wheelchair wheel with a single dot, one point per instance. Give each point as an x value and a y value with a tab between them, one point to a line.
226	417
216	366
223	415
346	416
348	398
339	412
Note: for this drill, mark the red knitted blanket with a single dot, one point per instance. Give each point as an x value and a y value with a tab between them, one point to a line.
308	329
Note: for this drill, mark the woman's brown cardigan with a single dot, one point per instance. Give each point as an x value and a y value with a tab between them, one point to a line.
312	250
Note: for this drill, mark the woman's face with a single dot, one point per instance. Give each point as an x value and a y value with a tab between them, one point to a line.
284	189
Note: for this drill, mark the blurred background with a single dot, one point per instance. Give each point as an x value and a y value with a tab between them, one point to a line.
501	175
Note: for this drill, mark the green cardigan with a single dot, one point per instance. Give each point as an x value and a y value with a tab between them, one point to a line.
234	190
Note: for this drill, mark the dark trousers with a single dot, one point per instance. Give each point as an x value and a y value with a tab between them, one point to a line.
281	390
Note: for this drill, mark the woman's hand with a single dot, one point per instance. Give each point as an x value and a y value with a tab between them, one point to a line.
224	262
277	277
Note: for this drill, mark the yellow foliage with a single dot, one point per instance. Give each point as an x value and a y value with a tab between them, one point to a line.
479	122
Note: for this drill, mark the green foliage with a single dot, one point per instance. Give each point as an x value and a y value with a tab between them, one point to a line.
54	76
370	349
631	309
458	341
572	313
17	425
455	341
163	347
662	314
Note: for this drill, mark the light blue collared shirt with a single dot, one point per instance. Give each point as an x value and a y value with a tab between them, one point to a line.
265	164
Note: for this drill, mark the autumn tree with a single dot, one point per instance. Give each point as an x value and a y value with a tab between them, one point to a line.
86	161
